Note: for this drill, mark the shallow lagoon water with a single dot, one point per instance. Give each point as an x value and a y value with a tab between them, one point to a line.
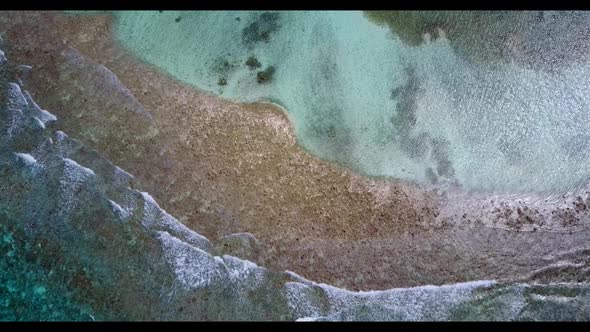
360	96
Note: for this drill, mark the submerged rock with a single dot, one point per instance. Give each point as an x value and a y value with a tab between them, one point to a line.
253	63
261	29
266	75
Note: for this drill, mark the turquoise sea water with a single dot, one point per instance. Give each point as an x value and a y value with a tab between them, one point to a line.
359	96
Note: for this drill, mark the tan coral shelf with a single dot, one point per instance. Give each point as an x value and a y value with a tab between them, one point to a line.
223	168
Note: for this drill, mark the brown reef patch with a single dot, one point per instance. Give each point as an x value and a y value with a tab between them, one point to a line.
222	168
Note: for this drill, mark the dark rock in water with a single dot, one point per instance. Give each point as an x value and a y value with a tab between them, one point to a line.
265	76
177	19
253	63
261	29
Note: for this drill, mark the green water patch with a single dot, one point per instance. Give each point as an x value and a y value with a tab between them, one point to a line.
410	97
29	290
